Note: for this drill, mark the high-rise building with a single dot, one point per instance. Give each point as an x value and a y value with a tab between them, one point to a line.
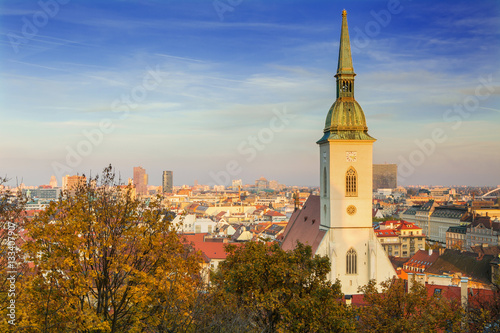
53	181
338	224
261	183
385	176
140	181
72	182
167	181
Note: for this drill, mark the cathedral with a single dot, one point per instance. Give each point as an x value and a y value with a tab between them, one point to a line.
338	222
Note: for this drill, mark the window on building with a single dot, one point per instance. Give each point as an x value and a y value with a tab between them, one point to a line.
351	262
324	182
351	183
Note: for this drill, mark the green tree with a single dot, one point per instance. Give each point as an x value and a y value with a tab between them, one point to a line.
104	261
281	291
392	309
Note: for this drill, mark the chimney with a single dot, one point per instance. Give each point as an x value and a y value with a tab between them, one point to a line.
430	252
463	291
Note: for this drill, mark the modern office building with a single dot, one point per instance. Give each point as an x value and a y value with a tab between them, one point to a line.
167	181
140	181
385	176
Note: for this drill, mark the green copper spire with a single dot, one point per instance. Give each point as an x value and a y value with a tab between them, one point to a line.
345	59
345	119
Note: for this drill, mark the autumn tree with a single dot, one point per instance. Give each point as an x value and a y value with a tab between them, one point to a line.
483	310
281	291
105	261
12	215
393	309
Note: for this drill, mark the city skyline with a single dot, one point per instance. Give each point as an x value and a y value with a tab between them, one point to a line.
208	89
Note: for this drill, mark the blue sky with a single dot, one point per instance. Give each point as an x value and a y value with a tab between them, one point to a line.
216	90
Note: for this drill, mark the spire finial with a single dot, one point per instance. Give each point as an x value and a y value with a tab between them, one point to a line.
344	13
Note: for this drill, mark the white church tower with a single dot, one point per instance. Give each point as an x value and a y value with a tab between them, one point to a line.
346	186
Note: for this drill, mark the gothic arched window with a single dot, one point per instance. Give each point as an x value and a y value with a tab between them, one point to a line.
324	183
351	259
351	183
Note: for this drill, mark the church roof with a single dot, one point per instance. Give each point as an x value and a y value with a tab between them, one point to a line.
303	226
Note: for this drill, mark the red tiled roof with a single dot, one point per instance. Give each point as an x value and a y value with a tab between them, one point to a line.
212	250
273	213
193	238
407	225
421	260
386	233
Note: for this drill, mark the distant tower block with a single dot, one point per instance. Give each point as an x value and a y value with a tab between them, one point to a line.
140	181
167	181
53	181
385	176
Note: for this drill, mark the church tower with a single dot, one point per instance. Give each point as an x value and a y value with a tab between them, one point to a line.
346	151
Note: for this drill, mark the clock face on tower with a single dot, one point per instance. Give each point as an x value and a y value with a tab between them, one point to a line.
351	156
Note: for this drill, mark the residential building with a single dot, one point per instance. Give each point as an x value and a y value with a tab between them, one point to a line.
442	218
192	224
482	231
412	238
140	181
455	237
491	211
400	238
423	214
167	181
389	239
420	261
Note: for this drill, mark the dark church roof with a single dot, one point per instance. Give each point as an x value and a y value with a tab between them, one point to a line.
303	226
